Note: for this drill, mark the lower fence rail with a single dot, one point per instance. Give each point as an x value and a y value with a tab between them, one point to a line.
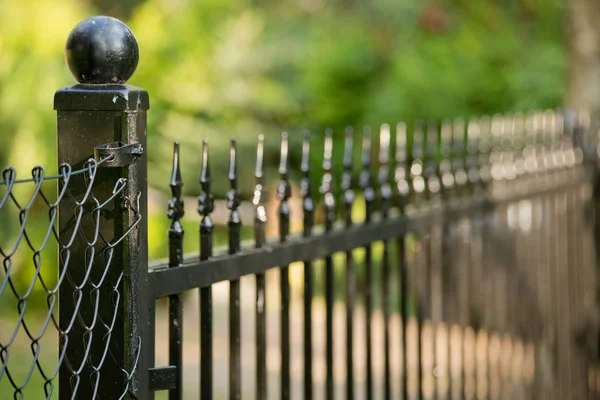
463	266
466	280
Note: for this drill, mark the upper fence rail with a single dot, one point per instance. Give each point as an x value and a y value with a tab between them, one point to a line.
436	171
437	202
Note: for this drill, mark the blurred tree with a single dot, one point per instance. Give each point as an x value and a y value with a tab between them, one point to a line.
218	68
121	9
583	88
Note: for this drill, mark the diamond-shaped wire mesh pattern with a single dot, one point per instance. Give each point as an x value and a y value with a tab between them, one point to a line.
43	256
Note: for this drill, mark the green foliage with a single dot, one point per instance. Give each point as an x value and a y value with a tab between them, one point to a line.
218	68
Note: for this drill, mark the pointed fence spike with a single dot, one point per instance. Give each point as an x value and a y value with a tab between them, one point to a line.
458	133
496	129
176	182
384	144
205	176
458	138
260	215
258	171
432	140
233	201
347	184
507	131
176	212
400	155
284	188
385	189
418	138
446	139
305	163
473	135
205	200
327	180
401	173
233	162
348	147
366	147
519	126
308	204
328	150
283	160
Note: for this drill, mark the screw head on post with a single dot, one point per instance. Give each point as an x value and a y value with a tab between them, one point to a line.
102	50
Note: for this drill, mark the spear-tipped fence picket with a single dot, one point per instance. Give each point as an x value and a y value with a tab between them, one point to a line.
468	251
458	214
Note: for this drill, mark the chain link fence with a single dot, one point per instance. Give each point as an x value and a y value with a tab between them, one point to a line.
36	341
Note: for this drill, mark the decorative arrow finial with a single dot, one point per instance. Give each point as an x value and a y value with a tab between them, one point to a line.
308	204
176	212
347	184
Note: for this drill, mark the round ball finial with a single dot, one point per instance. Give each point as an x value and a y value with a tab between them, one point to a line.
102	50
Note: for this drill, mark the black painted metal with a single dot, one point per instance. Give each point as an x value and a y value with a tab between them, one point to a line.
176	232
385	197
491	221
368	192
88	117
102	50
205	208
308	208
348	197
260	220
283	194
330	216
403	191
235	225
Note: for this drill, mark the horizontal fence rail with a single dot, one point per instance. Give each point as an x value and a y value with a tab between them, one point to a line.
472	233
441	260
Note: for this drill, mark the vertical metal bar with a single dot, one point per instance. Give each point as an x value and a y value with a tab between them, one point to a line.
330	210
448	184
347	187
365	183
385	193
473	257
234	225
205	208
308	208
460	266
483	335
430	256
175	213
283	194
260	220
401	176
87	117
418	186
418	264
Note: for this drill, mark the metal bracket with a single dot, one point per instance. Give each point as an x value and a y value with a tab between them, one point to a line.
117	154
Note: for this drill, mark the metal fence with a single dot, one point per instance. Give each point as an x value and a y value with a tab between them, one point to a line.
471	275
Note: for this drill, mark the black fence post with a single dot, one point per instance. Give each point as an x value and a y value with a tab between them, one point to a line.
105	308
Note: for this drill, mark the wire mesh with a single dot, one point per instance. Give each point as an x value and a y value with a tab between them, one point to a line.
81	340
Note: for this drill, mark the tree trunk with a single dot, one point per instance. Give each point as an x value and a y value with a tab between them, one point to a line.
583	84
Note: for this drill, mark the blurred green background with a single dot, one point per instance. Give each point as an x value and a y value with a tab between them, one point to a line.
221	68
216	69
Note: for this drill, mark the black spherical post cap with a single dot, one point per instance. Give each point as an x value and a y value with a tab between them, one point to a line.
102	50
